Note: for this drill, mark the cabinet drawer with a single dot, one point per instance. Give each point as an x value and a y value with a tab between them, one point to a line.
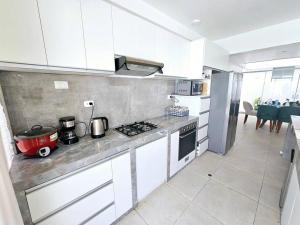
45	200
203	146
203	119
202	133
106	217
82	210
205	104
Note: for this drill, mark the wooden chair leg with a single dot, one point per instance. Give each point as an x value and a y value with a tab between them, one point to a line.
271	125
263	123
279	123
258	123
245	119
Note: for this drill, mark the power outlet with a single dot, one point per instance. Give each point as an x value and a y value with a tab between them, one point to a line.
88	103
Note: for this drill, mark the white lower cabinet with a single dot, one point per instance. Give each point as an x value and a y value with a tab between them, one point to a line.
106	217
295	215
121	167
290	214
151	166
203	146
80	211
62	192
203	119
96	195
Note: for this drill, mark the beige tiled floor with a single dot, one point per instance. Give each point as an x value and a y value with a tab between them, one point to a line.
244	187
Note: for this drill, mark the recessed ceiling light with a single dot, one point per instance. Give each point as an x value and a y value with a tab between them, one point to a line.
195	21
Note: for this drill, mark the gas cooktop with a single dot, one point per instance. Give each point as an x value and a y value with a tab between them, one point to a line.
136	128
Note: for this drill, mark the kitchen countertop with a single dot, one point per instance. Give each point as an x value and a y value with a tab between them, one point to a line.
29	172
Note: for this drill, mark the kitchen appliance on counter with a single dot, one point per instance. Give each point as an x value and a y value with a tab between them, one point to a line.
189	87
125	65
136	128
38	141
98	127
67	130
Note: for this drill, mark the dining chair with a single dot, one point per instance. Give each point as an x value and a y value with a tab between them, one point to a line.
265	113
284	115
248	110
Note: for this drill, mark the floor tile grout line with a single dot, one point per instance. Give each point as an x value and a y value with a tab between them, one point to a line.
141	216
262	184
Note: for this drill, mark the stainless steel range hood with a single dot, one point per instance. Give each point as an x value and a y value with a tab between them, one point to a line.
126	65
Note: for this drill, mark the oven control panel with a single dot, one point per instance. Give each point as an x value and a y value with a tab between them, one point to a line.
188	127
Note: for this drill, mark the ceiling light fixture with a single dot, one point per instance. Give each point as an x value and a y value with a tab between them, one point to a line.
195	21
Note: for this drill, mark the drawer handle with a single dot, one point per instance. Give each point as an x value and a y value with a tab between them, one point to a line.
97	213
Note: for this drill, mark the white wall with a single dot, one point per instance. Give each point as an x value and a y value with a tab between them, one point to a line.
5	129
155	16
9	210
279	34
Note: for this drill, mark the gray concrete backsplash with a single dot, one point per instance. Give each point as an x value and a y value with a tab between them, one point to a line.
32	99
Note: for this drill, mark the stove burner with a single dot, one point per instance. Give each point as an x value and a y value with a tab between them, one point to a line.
136	128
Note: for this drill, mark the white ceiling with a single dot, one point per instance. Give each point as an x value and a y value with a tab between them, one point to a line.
224	18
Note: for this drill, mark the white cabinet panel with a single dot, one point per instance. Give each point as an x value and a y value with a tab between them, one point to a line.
288	206
173	51
203	119
64	191
295	217
202	133
151	166
97	26
83	209
21	39
106	217
203	146
196	58
205	104
63	33
133	36
121	168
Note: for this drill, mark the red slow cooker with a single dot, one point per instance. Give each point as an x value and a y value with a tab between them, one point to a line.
37	141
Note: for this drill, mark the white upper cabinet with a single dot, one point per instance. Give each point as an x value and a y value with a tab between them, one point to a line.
63	32
133	36
215	56
98	34
173	51
197	58
21	39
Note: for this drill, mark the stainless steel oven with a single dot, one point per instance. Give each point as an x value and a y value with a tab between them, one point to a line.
187	140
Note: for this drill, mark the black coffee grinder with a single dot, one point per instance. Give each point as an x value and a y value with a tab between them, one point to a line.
67	130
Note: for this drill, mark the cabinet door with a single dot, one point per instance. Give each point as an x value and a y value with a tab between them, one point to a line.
97	26
151	166
295	217
174	166
288	206
63	33
21	39
133	36
121	168
173	51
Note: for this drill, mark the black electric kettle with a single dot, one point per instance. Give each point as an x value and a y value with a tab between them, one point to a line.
98	127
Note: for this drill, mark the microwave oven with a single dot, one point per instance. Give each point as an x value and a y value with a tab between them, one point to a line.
189	87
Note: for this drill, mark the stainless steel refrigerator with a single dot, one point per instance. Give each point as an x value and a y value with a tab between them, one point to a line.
225	95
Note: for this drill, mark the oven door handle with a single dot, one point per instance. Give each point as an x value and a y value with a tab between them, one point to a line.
187	134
